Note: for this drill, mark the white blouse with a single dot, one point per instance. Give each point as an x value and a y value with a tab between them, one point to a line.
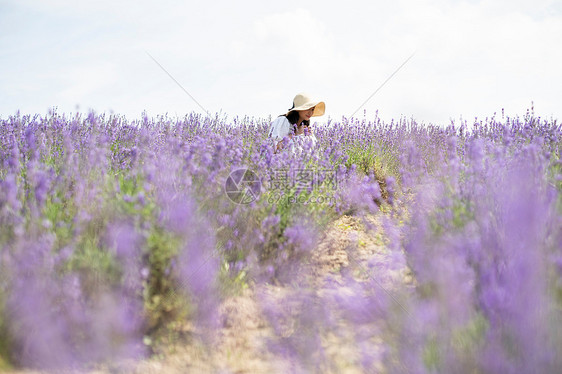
281	127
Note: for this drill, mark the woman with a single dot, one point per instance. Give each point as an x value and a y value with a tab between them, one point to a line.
296	122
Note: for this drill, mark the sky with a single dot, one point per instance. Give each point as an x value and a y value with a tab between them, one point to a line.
471	59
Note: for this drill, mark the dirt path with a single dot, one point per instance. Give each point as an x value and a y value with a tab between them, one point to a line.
240	347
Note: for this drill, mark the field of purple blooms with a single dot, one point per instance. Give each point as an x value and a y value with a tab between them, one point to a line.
118	236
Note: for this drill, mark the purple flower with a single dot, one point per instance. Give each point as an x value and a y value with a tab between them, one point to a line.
301	237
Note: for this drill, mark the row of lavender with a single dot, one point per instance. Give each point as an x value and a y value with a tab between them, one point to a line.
472	278
112	230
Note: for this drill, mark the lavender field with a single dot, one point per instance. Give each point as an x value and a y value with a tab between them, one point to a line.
188	245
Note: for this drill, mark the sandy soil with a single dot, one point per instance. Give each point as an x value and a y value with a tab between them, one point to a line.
240	347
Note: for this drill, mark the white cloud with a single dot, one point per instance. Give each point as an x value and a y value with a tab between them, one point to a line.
471	61
473	57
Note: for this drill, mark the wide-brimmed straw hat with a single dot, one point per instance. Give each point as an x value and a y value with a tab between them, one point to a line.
303	102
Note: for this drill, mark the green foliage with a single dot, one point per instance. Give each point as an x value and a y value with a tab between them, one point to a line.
232	282
462	213
293	202
377	158
160	298
467	339
432	354
5	340
363	157
60	211
453	217
554	173
96	266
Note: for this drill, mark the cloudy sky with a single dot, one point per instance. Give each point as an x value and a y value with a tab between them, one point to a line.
472	58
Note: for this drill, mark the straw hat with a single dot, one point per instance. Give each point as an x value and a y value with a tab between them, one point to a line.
303	102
